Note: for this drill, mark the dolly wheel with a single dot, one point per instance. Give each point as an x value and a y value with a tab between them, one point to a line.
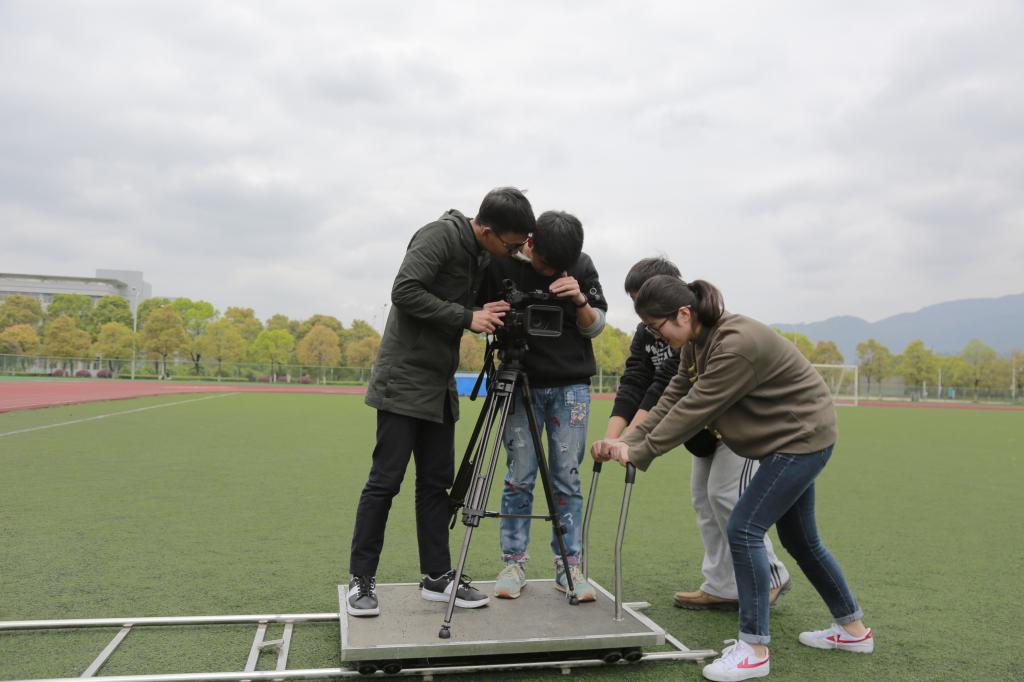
445	632
392	668
613	656
367	668
633	655
574	600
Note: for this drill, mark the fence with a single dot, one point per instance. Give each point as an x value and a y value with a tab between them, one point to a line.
180	369
851	386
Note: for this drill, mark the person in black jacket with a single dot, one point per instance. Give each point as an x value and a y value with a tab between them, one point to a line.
413	387
718	476
558	370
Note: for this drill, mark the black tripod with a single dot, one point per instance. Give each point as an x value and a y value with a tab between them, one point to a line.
475	479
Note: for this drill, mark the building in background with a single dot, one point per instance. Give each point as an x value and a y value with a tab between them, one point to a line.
126	283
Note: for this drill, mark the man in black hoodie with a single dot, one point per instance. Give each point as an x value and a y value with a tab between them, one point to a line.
558	370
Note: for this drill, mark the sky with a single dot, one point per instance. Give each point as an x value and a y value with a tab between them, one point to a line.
811	159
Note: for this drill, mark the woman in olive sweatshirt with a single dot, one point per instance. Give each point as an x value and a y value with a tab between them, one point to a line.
769	404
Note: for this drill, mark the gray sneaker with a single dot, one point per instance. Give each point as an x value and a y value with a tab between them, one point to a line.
362	596
584	590
440	588
511	581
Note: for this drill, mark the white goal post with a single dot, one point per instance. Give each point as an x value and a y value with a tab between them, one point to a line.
843	382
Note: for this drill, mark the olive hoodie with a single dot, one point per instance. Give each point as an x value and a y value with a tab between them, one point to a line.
432	299
753	386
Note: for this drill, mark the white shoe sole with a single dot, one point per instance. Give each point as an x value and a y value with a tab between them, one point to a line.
430	595
592	596
858	648
361	613
733	676
508	595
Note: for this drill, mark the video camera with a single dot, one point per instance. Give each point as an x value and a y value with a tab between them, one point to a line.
531	314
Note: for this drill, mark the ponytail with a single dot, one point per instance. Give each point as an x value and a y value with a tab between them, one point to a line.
662	295
710	303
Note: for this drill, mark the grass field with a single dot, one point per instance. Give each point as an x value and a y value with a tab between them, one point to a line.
244	503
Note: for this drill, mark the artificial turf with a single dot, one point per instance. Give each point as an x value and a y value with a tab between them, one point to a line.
245	503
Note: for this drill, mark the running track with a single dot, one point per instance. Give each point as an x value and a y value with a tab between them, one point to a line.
27	395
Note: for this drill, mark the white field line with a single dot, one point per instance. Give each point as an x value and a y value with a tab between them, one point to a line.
114	414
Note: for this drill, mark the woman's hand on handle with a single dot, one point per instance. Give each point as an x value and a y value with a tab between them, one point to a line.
610	449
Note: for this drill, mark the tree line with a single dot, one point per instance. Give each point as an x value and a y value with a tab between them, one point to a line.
73	327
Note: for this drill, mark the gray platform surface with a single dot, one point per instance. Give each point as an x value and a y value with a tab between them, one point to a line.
540	620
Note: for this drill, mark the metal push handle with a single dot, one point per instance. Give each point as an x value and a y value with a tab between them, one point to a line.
585	551
623	513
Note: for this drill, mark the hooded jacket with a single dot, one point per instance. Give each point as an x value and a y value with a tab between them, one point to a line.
432	300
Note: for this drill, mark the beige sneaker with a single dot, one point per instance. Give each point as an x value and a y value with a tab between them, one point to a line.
702	601
776	592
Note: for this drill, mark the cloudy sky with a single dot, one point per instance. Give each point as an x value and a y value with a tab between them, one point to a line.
810	158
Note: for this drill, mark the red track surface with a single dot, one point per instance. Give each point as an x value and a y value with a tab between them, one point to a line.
27	395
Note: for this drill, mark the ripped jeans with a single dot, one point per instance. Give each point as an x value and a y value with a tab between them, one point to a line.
562	412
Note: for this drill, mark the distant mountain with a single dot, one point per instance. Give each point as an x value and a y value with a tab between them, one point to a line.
944	327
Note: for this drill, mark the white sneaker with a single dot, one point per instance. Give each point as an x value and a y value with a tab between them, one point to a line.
738	662
837	638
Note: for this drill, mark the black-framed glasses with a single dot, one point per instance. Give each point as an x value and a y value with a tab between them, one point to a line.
513	247
656	329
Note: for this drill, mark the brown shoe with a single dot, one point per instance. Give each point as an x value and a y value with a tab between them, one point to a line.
702	601
776	592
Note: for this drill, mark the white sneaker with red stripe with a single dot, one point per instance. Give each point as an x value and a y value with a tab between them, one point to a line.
738	662
837	638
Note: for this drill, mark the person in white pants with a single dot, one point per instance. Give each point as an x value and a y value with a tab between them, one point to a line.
718	477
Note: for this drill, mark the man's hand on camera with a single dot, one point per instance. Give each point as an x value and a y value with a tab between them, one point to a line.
566	286
486	321
497	306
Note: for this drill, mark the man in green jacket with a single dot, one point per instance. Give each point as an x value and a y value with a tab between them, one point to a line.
413	387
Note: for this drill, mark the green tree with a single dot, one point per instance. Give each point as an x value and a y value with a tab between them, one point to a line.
114	342
274	347
802	343
917	364
164	334
827	353
471	352
319	348
110	309
148	306
19	309
223	342
952	373
875	361
76	306
362	353
63	339
611	349
19	339
280	321
195	315
245	319
984	365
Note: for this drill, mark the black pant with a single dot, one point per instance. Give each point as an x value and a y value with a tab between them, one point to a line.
433	446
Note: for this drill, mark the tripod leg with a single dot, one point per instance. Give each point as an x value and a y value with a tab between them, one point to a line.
556	522
476	502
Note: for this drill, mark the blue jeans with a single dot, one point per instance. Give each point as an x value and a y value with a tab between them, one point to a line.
782	492
562	413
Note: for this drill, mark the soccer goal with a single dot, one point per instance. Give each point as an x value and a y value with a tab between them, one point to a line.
843	382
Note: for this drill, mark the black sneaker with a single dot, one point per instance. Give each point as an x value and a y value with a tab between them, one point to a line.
439	589
362	596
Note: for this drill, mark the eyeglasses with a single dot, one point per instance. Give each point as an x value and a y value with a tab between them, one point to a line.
656	329
514	247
